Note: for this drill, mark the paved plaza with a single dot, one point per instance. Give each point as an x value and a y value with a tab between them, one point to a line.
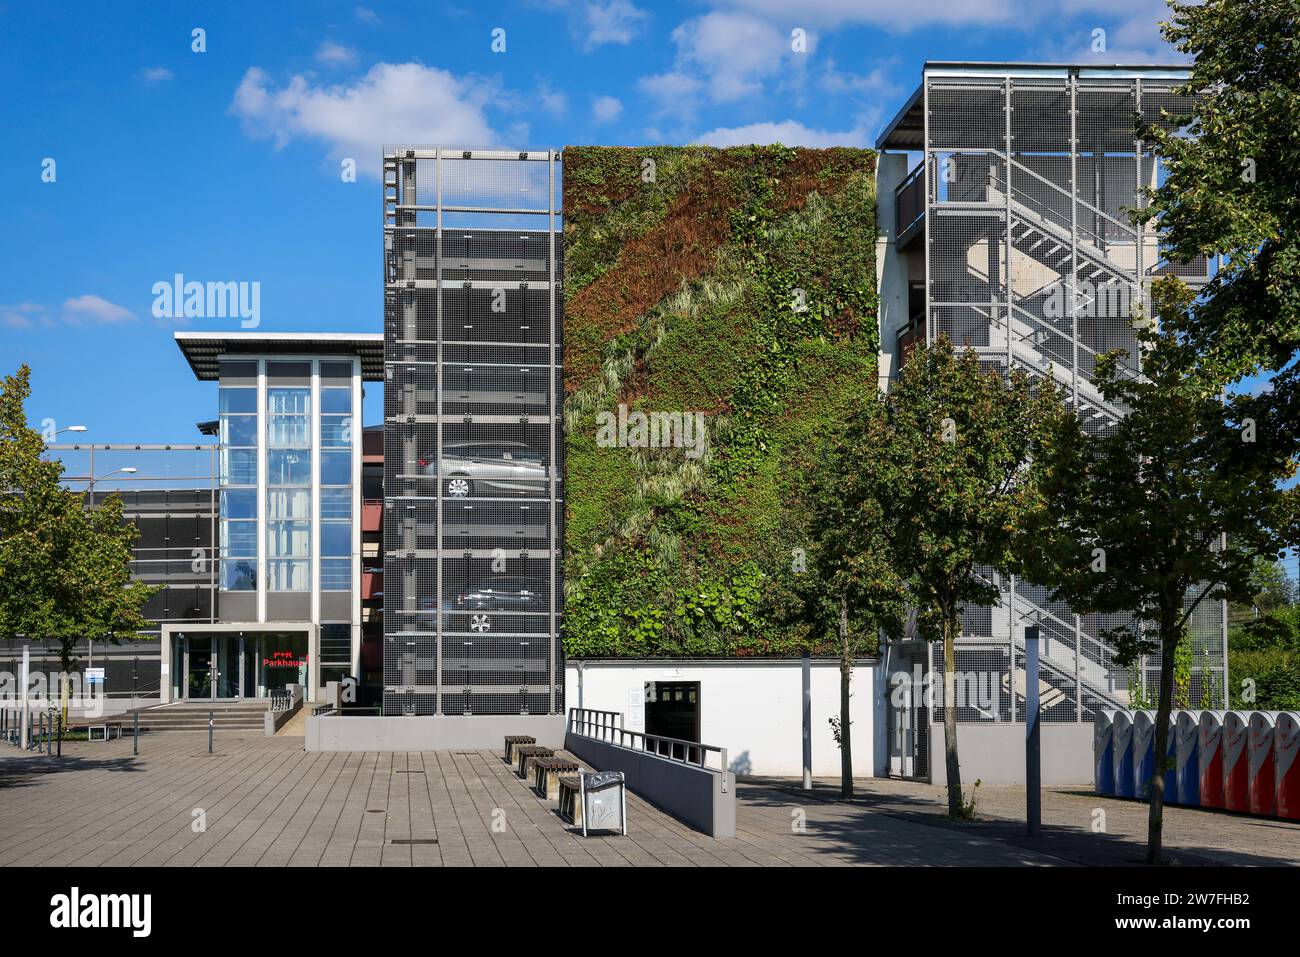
265	802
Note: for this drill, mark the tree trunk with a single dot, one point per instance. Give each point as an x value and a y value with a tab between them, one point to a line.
1156	786
846	674
950	718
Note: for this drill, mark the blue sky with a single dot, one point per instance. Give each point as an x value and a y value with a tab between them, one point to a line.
224	165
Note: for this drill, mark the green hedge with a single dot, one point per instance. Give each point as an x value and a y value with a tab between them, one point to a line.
681	297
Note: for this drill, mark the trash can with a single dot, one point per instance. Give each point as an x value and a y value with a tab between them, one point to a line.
1144	755
1103	753
1261	784
1122	735
1187	771
1236	765
1210	745
1171	760
604	802
1286	744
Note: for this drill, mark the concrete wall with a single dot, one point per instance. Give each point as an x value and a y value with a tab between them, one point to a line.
995	753
706	800
428	733
753	708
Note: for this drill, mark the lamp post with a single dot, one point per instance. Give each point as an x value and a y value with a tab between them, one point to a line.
70	428
90	489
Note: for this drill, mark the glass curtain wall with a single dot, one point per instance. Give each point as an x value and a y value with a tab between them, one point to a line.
288	488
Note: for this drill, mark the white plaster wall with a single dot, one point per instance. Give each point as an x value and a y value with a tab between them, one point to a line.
753	709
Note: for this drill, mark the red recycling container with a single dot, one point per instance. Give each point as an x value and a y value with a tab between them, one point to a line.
1261	782
1286	745
1211	751
1236	765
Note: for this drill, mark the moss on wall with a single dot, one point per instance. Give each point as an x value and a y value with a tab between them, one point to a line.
738	283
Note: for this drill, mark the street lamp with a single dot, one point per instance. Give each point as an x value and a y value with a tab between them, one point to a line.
90	490
71	428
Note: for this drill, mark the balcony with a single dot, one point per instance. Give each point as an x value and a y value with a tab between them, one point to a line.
372	515
372	583
909	207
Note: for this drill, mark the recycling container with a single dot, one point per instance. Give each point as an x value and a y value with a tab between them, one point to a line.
1122	736
604	801
1187	772
1171	762
1103	753
1211	757
1286	744
1144	755
1261	782
1236	769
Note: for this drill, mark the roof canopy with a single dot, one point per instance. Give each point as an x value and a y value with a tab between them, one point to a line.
204	350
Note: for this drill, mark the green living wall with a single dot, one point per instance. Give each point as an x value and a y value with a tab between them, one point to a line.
740	284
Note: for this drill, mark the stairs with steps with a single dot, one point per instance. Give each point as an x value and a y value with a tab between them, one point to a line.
193	716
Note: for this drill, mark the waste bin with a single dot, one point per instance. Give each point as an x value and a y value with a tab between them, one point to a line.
1236	764
1171	760
1187	772
1286	744
604	802
1144	756
1210	746
1103	753
1261	784
1122	735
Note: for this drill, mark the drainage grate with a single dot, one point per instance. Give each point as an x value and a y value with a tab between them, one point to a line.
414	840
409	772
376	810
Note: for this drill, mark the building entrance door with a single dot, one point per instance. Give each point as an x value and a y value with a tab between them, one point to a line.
213	667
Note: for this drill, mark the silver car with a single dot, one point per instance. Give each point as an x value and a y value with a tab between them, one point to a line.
489	468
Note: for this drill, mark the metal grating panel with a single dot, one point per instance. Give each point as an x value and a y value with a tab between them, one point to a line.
473	450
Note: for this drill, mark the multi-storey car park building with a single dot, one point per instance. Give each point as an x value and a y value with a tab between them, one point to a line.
1003	192
473	445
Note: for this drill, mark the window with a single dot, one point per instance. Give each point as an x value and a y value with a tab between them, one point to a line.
237	536
336	485
288	488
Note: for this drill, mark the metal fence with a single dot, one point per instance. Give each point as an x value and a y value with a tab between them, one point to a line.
473	454
607	726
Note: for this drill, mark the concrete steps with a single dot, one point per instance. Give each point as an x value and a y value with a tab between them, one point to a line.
194	717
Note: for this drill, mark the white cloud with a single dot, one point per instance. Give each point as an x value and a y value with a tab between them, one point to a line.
786	132
732	52
156	74
392	103
366	15
606	109
614	22
335	54
94	309
673	92
23	315
552	101
887	13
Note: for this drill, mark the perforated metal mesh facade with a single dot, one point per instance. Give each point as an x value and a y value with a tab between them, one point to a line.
1033	261
473	450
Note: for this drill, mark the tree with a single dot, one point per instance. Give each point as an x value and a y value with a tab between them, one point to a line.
849	592
64	568
1232	187
1169	509
932	483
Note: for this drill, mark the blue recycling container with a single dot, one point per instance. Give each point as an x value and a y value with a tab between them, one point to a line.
1171	761
1187	757
1122	735
1144	752
1103	753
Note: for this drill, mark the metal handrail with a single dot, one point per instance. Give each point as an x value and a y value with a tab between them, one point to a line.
600	726
905	198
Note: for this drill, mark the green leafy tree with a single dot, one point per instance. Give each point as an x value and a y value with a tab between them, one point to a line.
932	485
1140	514
1233	187
64	572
